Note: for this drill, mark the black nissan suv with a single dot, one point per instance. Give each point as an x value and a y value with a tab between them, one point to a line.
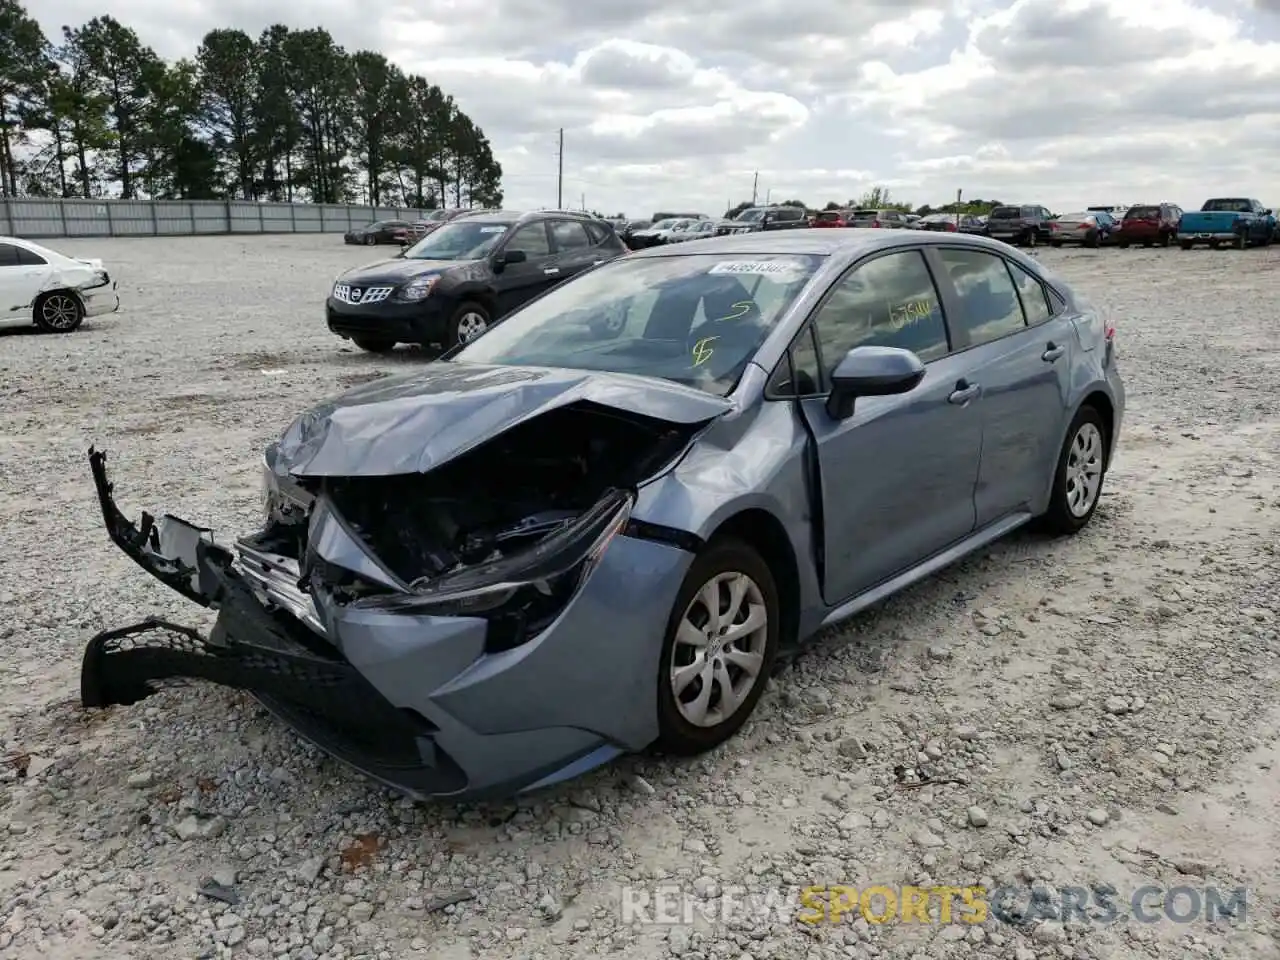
464	276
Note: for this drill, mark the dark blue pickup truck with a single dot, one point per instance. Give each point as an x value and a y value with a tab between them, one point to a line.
1231	220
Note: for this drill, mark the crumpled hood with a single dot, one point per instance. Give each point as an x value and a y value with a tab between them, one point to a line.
417	422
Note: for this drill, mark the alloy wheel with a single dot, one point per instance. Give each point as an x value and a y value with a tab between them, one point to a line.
719	648
59	311
1084	470
470	326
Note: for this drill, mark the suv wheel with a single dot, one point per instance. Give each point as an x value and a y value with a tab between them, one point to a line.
1033	237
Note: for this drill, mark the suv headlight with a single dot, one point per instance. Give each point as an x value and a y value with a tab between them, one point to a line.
417	289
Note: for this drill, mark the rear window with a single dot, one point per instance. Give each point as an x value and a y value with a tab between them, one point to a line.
1142	213
866	214
829	215
1227	206
1006	213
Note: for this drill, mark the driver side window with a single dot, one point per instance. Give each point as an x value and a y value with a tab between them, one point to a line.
889	301
532	239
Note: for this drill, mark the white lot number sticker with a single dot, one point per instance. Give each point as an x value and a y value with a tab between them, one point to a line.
767	268
492	229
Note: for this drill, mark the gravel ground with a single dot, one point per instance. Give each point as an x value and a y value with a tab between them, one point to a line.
1048	715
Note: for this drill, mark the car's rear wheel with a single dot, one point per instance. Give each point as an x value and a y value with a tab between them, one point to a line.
1123	244
374	346
1055	243
468	322
1166	238
1185	244
1032	237
721	641
58	312
1082	466
1091	239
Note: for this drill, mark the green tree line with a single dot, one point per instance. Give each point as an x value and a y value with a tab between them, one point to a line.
289	115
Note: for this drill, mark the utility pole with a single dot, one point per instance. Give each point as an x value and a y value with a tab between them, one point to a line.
755	183
560	174
584	203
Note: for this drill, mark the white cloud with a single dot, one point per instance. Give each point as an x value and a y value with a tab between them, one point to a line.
680	102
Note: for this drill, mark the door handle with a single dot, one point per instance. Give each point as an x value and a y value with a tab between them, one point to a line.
550	271
964	392
1052	353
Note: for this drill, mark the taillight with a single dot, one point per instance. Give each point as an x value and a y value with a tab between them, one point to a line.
952	227
1111	331
875	223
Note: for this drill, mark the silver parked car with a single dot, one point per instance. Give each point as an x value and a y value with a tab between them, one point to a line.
591	529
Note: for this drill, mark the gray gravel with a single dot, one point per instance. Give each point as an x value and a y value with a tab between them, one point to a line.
1049	714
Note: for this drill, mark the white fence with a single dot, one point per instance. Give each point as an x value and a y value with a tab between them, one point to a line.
34	219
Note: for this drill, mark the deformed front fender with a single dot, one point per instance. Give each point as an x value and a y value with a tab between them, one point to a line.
757	461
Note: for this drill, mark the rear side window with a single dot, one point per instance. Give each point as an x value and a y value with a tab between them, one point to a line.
597	232
1035	302
28	258
991	306
1142	213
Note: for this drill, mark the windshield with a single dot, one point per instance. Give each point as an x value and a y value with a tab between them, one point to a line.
695	320
458	240
750	216
1006	213
1228	206
664	224
435	215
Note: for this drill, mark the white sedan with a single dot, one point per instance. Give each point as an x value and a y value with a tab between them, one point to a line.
53	291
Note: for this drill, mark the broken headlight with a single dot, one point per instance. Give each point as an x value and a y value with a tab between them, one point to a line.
547	574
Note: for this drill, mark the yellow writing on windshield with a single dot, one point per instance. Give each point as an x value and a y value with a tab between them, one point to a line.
702	350
741	309
911	312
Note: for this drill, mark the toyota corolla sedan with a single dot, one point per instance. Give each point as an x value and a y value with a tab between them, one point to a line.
590	529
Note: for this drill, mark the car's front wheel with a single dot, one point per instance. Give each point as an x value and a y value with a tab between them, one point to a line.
468	322
370	240
721	641
1082	466
58	312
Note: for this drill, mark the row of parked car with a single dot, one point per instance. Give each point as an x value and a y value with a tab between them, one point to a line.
1221	221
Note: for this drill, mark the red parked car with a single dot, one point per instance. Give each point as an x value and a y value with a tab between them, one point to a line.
832	218
1149	223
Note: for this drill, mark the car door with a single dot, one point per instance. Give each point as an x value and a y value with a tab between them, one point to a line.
1019	352
571	244
897	477
520	282
22	276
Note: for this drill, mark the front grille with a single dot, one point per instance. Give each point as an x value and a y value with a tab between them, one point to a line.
360	295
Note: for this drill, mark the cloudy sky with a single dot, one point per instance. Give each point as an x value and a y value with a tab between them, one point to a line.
678	103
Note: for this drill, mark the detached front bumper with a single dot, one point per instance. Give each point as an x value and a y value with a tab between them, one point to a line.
417	701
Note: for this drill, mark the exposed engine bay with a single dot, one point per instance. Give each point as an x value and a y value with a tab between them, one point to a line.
502	497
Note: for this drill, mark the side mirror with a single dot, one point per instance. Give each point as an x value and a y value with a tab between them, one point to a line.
1266	213
509	257
872	372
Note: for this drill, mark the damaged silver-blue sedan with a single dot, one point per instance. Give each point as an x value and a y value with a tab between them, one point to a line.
590	530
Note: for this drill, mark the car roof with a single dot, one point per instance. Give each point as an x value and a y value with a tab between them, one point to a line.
809	241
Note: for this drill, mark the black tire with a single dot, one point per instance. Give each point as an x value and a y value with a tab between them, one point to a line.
1214	244
1242	240
370	240
1033	237
58	311
1166	239
1123	244
1055	243
1185	244
1146	244
1092	240
1061	518
676	734
374	346
461	327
